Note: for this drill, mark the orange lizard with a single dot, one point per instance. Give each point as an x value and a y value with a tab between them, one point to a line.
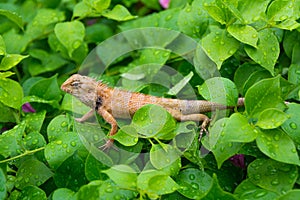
113	103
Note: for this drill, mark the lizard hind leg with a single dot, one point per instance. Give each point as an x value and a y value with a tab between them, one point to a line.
198	118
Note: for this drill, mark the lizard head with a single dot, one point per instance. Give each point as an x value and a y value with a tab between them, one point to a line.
82	87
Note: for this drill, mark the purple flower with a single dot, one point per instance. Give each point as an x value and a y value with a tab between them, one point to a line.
238	161
26	107
164	3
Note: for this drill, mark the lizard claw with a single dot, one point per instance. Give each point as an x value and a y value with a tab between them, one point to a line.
109	143
203	129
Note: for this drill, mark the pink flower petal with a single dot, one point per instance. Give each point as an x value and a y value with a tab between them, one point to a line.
26	107
164	3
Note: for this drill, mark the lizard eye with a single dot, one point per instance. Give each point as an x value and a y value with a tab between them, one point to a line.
75	84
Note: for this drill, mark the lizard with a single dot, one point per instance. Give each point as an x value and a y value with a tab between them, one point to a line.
112	103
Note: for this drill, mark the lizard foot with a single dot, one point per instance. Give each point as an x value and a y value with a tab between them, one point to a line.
203	128
109	143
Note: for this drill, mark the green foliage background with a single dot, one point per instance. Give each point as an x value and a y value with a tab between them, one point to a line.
254	48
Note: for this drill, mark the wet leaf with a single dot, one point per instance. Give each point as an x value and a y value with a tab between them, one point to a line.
267	51
292	124
272	175
33	193
278	145
119	13
163	155
14	17
195	183
70	34
271	118
123	175
219	45
25	177
244	33
11	93
64	194
11	60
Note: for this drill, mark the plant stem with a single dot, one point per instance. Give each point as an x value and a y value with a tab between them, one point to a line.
21	155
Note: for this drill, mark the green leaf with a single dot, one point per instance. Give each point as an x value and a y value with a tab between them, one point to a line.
127	136
154	121
271	118
204	66
118	13
66	175
244	33
165	19
46	88
219	45
290	42
280	10
3	189
256	77
43	22
222	150
104	190
11	140
16	43
292	124
272	175
34	140
156	183
70	34
63	194
193	20
25	177
181	84
216	192
33	193
14	17
57	151
123	175
34	121
6	114
290	195
95	163
253	11
238	129
49	62
243	73
293	76
11	60
216	13
247	190
163	155
278	145
219	90
36	99
194	183
98	5
288	25
6	74
267	51
81	10
2	46
262	95
11	93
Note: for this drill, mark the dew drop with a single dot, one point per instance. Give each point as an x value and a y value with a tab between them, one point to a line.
277	137
73	144
260	194
192	176
64	124
293	125
257	177
195	186
58	142
283	17
275	182
76	44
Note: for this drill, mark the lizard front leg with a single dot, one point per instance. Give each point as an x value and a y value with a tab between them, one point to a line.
114	127
85	116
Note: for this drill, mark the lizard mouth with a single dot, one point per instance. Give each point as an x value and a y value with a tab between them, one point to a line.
65	88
